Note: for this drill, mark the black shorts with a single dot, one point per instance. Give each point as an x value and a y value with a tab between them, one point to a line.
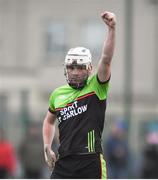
89	166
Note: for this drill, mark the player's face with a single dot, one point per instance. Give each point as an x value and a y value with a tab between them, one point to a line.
77	73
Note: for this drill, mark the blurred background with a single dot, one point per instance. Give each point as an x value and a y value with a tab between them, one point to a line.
34	38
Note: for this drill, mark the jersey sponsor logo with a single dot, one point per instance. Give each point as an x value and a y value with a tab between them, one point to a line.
71	111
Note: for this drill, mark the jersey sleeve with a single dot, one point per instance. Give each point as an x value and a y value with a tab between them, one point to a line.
51	103
100	88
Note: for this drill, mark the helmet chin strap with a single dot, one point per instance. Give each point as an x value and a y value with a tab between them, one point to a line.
78	85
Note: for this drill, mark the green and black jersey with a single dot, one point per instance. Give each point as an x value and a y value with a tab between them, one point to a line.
80	114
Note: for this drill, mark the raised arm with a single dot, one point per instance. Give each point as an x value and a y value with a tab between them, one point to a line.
104	65
48	135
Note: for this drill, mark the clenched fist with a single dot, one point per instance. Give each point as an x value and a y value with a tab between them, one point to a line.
109	19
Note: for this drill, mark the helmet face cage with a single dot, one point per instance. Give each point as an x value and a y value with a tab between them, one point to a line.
75	85
77	56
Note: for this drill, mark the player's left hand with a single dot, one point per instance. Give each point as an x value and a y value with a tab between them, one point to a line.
109	19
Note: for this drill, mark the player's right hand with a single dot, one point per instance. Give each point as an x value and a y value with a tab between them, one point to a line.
50	157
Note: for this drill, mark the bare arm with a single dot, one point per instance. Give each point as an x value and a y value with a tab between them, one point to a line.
104	66
48	135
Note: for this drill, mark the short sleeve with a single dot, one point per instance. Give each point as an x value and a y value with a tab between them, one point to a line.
101	88
51	103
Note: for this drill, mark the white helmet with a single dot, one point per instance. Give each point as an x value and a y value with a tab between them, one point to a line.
78	56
